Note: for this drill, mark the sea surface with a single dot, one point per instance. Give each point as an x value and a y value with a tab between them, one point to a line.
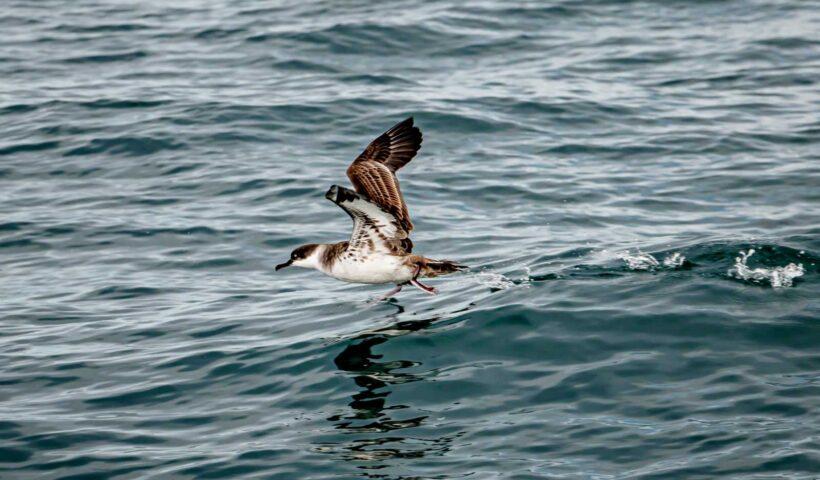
635	186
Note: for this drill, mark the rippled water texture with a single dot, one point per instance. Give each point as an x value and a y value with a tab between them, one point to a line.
604	167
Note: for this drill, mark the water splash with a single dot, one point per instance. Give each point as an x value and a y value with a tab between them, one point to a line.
674	260
494	280
645	261
640	261
777	277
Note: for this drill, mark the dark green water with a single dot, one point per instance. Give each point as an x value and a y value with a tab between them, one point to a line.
601	166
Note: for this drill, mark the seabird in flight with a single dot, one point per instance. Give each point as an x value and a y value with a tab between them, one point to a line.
379	249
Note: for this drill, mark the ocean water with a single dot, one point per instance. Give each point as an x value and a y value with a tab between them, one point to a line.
635	185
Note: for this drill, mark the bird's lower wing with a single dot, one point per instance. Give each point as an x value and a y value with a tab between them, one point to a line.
374	229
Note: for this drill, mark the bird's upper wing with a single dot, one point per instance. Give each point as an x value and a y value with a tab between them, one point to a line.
373	173
374	230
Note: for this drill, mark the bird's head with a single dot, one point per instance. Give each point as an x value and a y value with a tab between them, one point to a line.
304	256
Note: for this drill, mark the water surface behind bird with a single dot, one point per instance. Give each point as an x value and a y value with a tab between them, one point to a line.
605	167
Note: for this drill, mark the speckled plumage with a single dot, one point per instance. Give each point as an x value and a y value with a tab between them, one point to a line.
379	249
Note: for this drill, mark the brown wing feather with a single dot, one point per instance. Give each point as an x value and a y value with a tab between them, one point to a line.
373	172
380	185
395	147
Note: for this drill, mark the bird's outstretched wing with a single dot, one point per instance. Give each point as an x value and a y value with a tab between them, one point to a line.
373	173
374	230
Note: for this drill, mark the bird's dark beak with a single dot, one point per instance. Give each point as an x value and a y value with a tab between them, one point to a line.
283	265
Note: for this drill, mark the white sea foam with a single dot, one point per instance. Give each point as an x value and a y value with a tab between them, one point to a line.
777	277
645	261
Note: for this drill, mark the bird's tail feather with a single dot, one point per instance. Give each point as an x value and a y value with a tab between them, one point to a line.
434	268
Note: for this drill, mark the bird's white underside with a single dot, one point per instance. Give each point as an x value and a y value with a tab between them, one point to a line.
374	267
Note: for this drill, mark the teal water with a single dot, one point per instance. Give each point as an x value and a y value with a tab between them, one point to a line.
602	166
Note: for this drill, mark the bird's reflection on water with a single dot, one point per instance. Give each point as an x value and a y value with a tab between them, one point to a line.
373	423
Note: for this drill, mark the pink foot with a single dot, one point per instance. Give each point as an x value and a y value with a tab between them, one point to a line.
423	287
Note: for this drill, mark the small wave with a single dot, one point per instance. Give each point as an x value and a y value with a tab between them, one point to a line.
373	79
150	232
210	264
304	66
17	108
218	33
23	243
123	293
108	103
104	28
107	58
645	261
130	146
777	277
376	37
28	147
12	226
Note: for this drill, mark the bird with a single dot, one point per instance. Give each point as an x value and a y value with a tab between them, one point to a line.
379	250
